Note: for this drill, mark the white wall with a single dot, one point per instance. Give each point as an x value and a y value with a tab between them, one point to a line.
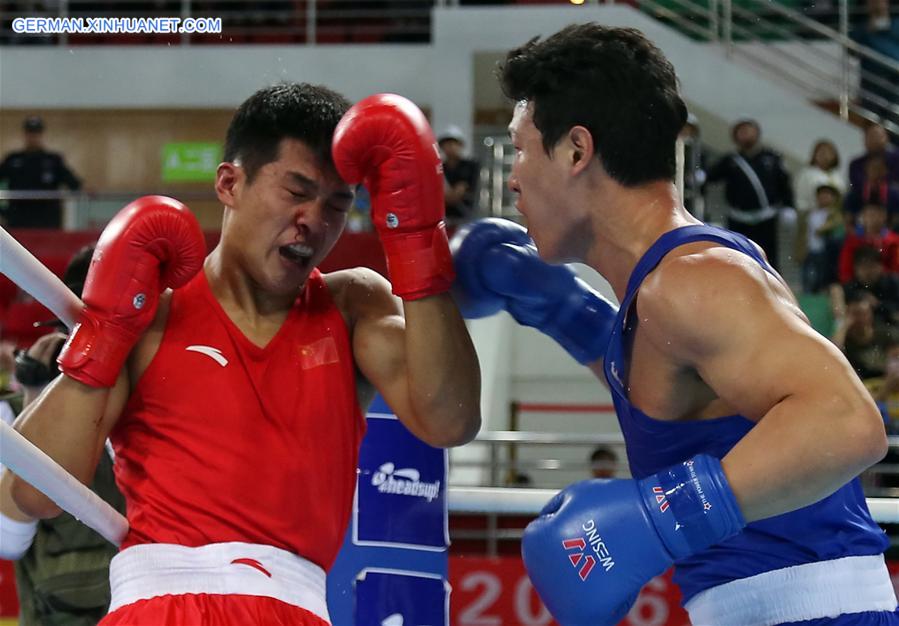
200	76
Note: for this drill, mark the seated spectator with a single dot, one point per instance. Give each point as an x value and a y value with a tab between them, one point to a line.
603	462
519	479
863	337
823	169
462	176
694	167
820	229
876	189
871	231
885	391
870	279
877	145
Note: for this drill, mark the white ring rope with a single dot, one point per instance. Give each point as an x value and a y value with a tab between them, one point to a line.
17	453
515	501
31	275
34	466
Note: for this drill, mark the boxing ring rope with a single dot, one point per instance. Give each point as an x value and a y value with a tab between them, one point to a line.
27	272
17	453
516	501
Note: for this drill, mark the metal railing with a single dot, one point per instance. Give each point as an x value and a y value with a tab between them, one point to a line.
504	446
83	210
821	62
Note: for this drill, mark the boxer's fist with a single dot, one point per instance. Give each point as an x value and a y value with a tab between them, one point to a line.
498	268
152	244
385	142
597	543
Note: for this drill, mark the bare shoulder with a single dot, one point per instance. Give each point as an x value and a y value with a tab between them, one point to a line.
708	293
359	291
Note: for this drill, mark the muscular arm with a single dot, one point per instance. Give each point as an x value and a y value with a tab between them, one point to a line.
423	362
817	425
70	422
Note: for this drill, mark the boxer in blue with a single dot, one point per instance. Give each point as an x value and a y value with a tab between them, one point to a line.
745	429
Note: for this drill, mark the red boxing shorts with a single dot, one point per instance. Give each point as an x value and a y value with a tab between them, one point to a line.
215	585
211	610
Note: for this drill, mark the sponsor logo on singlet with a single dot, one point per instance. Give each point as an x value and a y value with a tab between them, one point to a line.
404	482
613	368
213	353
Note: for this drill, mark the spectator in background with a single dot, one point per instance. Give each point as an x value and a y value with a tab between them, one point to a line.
870	279
10	401
863	337
878	83
462	176
63	577
694	168
820	229
603	462
35	169
885	392
876	189
872	230
756	185
519	479
823	169
877	145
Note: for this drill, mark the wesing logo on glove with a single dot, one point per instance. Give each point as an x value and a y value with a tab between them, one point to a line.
596	544
404	482
661	500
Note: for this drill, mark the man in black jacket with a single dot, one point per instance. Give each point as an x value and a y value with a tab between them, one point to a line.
756	185
35	169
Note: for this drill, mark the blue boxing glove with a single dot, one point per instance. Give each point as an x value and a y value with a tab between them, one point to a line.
596	543
498	268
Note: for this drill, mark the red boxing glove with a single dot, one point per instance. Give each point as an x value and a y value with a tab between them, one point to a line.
386	143
152	244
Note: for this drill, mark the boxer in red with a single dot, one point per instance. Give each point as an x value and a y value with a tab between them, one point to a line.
235	402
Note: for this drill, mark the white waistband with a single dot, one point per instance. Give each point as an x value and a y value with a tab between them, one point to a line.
149	570
812	591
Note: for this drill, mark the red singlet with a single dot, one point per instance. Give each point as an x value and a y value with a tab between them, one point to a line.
224	441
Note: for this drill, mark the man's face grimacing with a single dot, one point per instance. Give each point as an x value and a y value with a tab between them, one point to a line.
541	182
289	216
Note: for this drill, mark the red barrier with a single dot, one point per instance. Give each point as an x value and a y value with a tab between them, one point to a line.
497	592
9	603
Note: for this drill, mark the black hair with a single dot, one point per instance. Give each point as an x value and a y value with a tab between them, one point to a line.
76	270
300	111
602	453
612	81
